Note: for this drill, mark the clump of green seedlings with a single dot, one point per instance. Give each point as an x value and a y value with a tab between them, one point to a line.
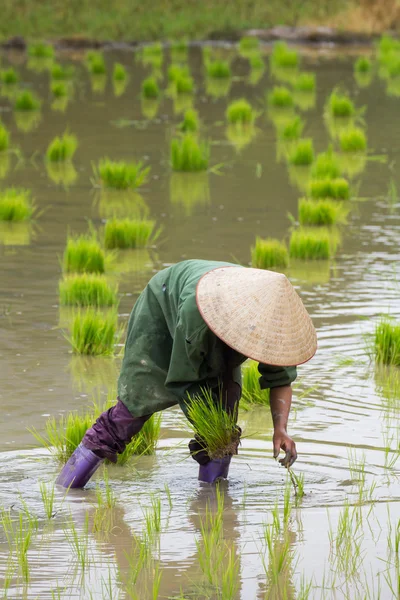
240	112
177	71
305	82
218	69
280	97
94	333
4	138
338	189
248	45
9	76
59	89
119	72
353	139
363	65
184	84
41	50
256	62
213	424
322	212
153	54
144	442
62	437
26	101
60	73
292	129
16	205
62	148
87	289
302	154
150	88
95	63
130	233
269	254
312	244
340	105
252	394
190	123
283	57
387	342
83	254
326	166
189	154
47	493
121	175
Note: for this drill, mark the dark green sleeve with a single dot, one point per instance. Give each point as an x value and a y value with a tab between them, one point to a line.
272	377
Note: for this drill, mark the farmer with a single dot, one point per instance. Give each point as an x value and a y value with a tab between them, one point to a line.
192	327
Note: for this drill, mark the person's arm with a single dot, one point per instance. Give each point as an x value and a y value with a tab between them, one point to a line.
280	400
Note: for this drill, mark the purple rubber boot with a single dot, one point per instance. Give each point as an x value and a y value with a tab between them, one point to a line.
215	469
79	469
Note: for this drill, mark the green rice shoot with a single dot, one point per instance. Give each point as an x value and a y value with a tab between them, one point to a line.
326	165
340	105
256	62
269	254
119	72
190	123
252	394
292	129
248	45
363	65
61	73
338	189
218	69
95	63
322	212
303	153
240	112
184	84
189	154
305	82
59	89
150	88
16	205
87	289
41	50
353	139
280	97
4	138
312	244
387	342
121	175
26	101
63	436
177	71
130	233
9	76
145	442
93	332
284	57
83	254
62	148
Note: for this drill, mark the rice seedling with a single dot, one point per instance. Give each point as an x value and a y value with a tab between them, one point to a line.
353	140
248	45
213	424
188	190
95	63
62	147
152	54
94	333
62	437
189	154
87	289
119	86
218	69
150	88
346	554
177	71
362	65
387	342
78	540
322	212
326	165
61	73
338	189
184	85
240	112
298	484
26	101
190	123
269	254
119	72
16	205
9	76
283	57
279	557
103	518
41	50
121	175
179	50
256	62
83	254
152	519
302	153
293	129
340	105
144	442
305	82
47	494
280	97
130	233
252	394
23	541
59	89
312	244
4	138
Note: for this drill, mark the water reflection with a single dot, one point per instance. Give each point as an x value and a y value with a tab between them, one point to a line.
63	174
16	234
150	107
120	204
189	190
27	121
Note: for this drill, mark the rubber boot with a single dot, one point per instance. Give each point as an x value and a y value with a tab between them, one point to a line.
215	469
79	468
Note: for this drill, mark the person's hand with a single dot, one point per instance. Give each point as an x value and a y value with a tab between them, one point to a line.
282	441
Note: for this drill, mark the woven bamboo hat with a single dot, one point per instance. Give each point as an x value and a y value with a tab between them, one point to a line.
258	313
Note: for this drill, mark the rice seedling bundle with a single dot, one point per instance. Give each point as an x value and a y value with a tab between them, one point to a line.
94	333
190	123
340	105
63	436
218	69
252	394
322	212
393	67
4	138
292	129
179	50
121	175
59	89
240	112
305	82
189	154
95	63
184	84
353	139
129	233
280	97
282	56
144	442
326	166
177	71
119	72
338	189
83	254
362	65
248	45
312	244
62	148
9	76
26	101
152	50
16	205
87	289
269	254
214	426
303	153
150	88
387	342
256	62
60	73
41	50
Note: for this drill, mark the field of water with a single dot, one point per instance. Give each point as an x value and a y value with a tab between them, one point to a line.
150	529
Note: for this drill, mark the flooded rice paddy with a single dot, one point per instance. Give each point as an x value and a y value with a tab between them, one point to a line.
341	539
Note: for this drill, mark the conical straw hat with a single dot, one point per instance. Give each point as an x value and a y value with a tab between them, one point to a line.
258	313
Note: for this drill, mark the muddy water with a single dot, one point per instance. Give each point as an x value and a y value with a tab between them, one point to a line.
340	399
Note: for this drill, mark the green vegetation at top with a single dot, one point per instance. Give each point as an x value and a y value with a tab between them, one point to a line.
240	112
83	254
340	105
9	76
4	137
269	254
219	69
387	342
121	175
189	154
16	204
283	56
26	101
62	147
41	50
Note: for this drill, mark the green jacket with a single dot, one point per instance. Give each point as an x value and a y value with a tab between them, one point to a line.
170	351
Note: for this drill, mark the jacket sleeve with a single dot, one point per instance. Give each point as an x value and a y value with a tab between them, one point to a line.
272	377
